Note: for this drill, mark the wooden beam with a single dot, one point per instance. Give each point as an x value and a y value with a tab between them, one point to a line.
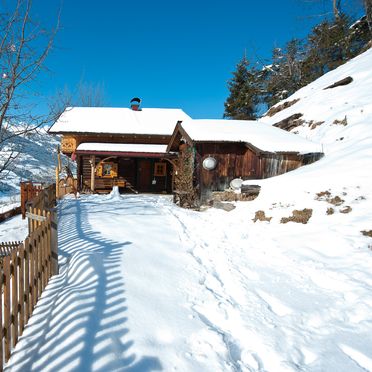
92	172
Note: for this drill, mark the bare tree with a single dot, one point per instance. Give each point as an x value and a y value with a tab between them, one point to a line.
368	9
336	8
90	95
24	47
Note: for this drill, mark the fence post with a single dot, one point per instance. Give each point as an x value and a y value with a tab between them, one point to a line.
7	334
27	279
14	273
54	242
1	316
21	286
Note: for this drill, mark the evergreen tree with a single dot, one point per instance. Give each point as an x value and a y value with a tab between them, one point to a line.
285	73
242	101
328	47
368	9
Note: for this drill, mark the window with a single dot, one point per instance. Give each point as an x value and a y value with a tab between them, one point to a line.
160	169
107	170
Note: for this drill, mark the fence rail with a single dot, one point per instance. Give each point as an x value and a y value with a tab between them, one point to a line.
6	248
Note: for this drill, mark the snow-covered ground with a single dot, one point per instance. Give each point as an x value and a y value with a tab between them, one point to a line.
13	229
147	286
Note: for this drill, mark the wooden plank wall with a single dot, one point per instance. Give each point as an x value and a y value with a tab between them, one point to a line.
236	160
25	270
233	160
274	165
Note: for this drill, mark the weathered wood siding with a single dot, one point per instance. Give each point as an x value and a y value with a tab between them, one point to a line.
236	160
233	160
276	164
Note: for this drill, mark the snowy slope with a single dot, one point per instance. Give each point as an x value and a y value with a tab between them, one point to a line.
346	168
36	162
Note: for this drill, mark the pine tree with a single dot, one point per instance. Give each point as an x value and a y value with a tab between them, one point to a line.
242	101
328	47
285	74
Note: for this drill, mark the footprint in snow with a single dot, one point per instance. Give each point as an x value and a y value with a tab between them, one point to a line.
275	305
358	357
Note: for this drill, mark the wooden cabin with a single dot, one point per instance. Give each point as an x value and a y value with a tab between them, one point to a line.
222	150
125	147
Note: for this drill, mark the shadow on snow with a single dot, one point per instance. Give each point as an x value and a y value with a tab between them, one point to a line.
80	322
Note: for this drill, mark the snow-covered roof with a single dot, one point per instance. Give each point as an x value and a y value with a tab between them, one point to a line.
115	120
260	135
122	147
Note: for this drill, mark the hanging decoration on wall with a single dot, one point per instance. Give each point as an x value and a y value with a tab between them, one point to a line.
209	163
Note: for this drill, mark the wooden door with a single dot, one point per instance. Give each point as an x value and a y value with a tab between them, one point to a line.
144	178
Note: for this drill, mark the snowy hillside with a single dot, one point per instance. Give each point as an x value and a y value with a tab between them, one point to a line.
36	162
341	119
345	171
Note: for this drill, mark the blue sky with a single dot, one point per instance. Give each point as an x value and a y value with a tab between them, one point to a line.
169	53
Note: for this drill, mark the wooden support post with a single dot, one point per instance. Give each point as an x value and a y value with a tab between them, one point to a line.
57	183
14	273
7	335
21	286
54	243
35	248
43	254
92	172
48	249
1	319
27	280
32	276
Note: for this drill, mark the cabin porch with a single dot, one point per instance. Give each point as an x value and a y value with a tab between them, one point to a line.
133	172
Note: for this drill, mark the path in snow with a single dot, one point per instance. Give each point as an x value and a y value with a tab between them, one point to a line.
118	302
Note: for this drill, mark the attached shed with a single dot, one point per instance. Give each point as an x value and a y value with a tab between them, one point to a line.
221	150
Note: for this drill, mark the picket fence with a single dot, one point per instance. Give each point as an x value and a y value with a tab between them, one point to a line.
25	269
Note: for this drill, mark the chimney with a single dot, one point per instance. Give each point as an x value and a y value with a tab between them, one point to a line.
135	104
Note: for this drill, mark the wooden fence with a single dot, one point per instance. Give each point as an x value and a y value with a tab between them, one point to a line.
66	186
29	191
25	267
37	195
25	271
